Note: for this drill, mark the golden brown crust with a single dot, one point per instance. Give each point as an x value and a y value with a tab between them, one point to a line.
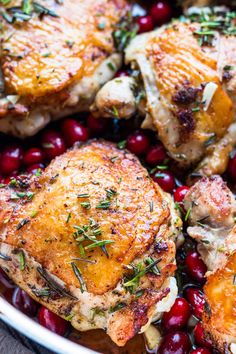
38	219
219	319
181	68
46	54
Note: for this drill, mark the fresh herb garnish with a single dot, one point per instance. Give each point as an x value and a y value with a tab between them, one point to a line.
21	256
104	204
117	307
22	223
187	215
78	275
122	144
83	195
86	205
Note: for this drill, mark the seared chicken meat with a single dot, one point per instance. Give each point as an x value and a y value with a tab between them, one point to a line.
188	89
212	225
54	57
93	239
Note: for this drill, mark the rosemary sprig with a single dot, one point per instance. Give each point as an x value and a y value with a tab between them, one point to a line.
78	275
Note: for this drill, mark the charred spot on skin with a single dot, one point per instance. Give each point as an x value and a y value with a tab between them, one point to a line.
186	120
185	95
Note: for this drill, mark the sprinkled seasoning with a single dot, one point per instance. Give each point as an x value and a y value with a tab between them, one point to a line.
22	223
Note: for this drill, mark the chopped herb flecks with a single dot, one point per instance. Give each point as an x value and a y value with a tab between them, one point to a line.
78	275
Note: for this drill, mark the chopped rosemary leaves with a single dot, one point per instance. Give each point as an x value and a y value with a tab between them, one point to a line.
27	7
115	112
210	140
78	275
19	195
69	317
234	279
111	193
111	66
5	257
86	205
139	271
117	307
151	206
68	218
44	292
104	204
114	158
187	215
122	144
84	260
83	195
52	284
22	223
96	311
89	233
21	256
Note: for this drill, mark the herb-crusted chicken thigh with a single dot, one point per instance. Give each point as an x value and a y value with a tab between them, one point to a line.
54	56
93	239
185	87
212	224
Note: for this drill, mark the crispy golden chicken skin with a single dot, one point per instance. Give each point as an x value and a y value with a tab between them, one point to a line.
212	225
54	57
93	239
187	93
220	317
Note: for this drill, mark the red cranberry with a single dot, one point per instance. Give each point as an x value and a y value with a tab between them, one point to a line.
73	131
23	302
197	301
53	322
200	338
180	193
156	155
122	73
35	169
145	24
231	170
175	343
11	159
5	280
32	156
138	143
195	266
200	351
161	12
165	180
178	315
97	126
53	144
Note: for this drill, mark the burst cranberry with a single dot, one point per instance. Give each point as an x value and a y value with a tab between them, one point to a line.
145	24
175	343
138	143
178	315
180	193
10	159
32	156
165	180
200	338
35	169
161	12
5	280
51	321
197	301
73	131
195	266
53	144
122	73
200	351
156	155
23	302
231	170
97	126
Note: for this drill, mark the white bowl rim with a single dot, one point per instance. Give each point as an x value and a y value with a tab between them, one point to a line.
33	330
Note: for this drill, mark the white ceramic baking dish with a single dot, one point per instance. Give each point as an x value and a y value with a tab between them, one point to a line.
36	332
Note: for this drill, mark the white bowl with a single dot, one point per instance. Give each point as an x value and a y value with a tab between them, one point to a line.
33	330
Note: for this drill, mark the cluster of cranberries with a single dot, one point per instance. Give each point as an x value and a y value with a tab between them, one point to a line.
159	14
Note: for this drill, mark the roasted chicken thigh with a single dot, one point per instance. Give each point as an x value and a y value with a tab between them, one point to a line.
92	238
212	225
184	82
54	56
